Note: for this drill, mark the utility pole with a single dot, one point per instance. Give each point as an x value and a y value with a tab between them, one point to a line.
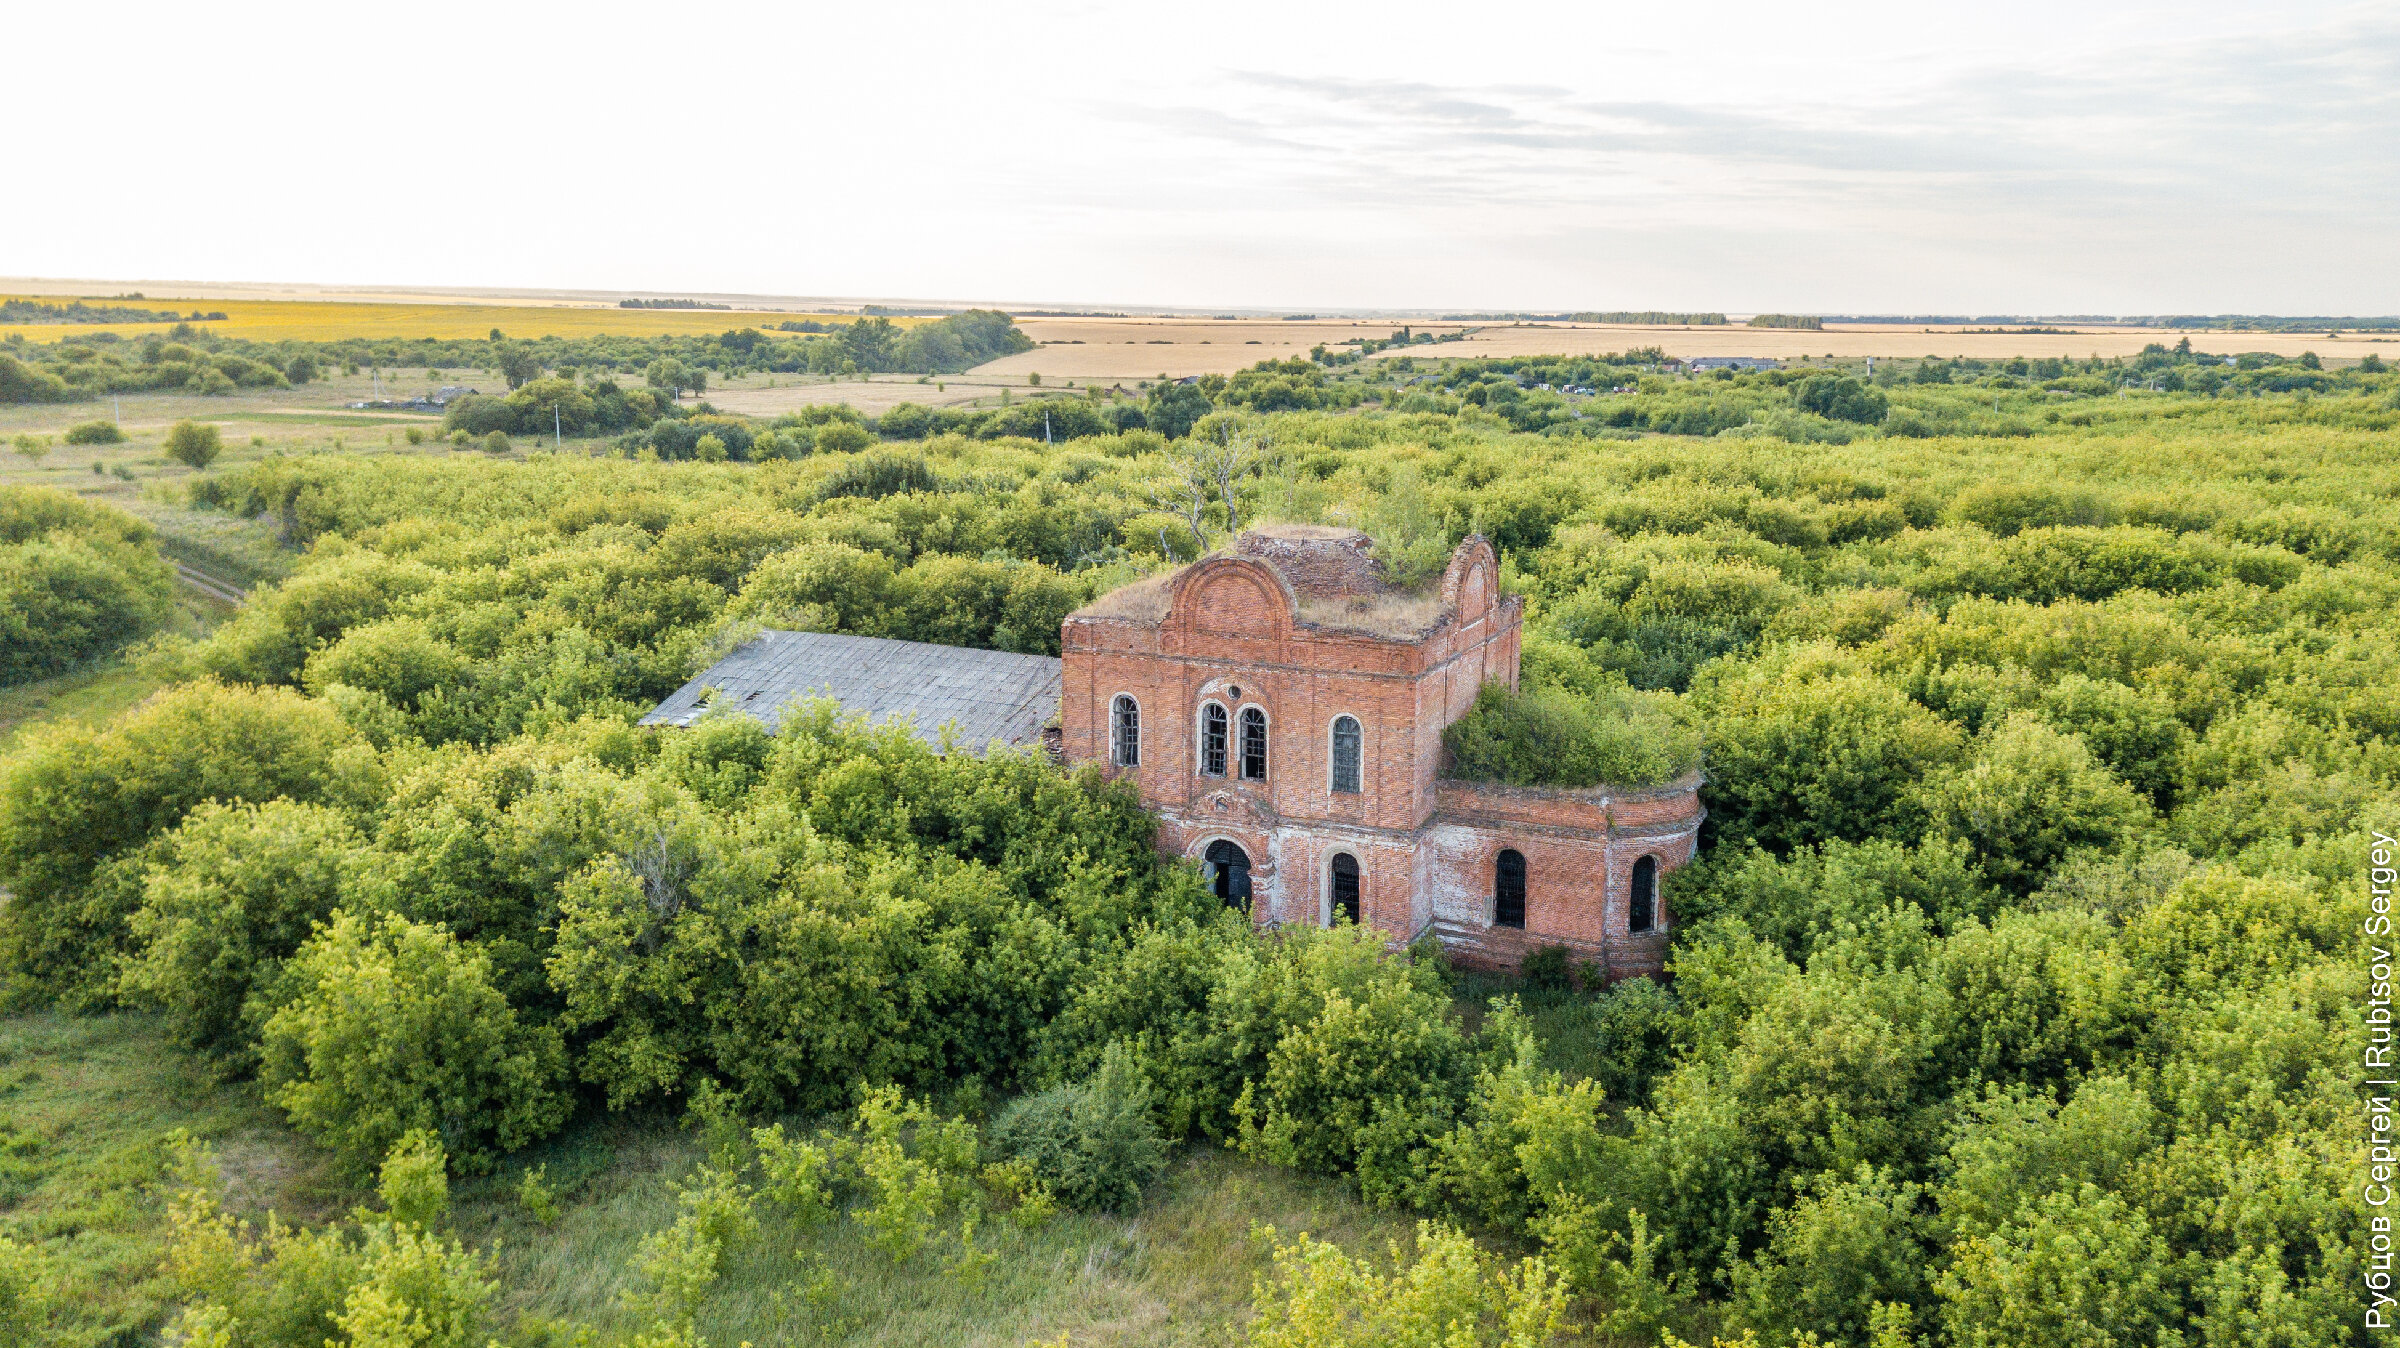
116	406
558	436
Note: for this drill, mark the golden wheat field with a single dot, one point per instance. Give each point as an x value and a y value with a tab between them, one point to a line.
335	320
1138	348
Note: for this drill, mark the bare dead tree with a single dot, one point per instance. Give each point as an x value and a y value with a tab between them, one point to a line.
1207	471
665	865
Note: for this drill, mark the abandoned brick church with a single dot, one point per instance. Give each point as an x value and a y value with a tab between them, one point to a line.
1281	709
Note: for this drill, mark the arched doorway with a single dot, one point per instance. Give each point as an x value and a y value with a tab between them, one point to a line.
1642	914
1345	890
1229	873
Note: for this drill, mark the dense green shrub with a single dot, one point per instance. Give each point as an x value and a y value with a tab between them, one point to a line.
1810	746
94	433
875	476
78	805
1840	398
1095	1144
1548	736
228	895
22	383
2031	796
2006	508
392	1026
76	581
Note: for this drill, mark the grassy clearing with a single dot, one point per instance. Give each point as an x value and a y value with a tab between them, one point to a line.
85	697
1179	1271
100	691
86	1107
246	552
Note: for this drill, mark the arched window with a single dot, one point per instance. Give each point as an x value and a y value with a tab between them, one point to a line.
1229	873
1344	907
1508	888
1642	912
1212	740
1127	715
1254	744
1346	753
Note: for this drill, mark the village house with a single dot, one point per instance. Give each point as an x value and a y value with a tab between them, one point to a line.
1281	709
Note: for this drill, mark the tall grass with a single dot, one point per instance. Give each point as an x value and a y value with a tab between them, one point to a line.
86	1107
1177	1270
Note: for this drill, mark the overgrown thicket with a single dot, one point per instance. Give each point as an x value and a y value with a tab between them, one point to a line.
2014	991
77	580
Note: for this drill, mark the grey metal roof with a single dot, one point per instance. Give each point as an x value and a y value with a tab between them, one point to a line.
991	695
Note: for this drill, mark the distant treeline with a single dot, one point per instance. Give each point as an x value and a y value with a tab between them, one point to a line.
2270	322
1653	317
669	304
194	361
35	311
2234	322
1804	322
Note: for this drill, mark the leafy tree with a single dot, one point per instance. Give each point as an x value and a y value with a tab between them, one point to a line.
94	433
1835	1256
1173	408
519	365
194	444
77	580
1838	397
78	804
669	376
2008	508
2030	797
229	894
1809	746
870	343
2070	1269
393	1026
22	383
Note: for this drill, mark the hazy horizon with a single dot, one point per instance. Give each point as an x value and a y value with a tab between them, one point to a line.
1875	159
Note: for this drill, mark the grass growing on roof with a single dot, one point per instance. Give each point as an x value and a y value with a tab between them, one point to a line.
1552	737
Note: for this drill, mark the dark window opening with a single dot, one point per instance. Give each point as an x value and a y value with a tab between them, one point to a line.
1642	913
1229	874
1129	733
1508	889
1345	888
1212	740
1254	744
1346	753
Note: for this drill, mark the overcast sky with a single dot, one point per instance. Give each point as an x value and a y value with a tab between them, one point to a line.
2019	158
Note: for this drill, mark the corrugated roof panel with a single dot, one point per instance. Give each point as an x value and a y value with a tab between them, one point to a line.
990	695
